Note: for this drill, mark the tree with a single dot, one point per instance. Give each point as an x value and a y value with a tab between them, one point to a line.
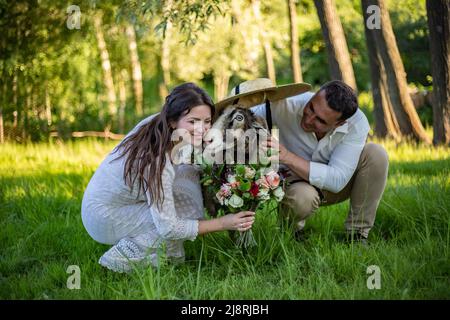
256	5
136	69
2	132
338	56
188	17
394	88
439	32
229	47
106	66
165	51
295	52
386	124
123	77
3	101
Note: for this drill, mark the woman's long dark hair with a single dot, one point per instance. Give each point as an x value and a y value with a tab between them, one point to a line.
145	149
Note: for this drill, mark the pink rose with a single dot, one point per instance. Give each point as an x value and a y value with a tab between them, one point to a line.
263	183
223	193
225	190
273	179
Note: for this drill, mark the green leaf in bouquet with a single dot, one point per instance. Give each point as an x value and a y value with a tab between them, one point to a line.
245	185
240	169
220	169
211	189
246	195
204	179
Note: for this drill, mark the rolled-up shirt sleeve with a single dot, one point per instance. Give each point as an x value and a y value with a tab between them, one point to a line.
169	225
335	175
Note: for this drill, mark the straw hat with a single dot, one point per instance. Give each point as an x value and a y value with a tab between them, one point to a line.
258	90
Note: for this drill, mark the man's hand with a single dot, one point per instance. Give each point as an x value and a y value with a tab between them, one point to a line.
277	150
296	163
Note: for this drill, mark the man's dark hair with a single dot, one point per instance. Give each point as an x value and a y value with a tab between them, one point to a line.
341	97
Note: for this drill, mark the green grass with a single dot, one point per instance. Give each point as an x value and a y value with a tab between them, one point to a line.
41	187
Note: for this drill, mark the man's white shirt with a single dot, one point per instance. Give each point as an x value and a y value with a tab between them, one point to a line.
333	159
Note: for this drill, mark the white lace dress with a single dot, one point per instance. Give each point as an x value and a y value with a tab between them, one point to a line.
111	211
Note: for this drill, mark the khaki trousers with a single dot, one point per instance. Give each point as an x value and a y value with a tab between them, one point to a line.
364	189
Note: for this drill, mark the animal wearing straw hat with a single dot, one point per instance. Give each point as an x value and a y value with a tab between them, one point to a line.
261	90
238	130
322	144
233	112
234	115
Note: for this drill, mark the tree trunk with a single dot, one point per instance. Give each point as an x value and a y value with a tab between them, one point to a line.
106	66
339	60
12	133
14	92
165	64
386	124
439	30
27	107
221	86
122	99
48	107
265	41
396	88
165	56
2	131
295	48
136	69
3	102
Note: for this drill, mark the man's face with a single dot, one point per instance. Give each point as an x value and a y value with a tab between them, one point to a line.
318	117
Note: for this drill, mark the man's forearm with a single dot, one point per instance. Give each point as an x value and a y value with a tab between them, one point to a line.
298	165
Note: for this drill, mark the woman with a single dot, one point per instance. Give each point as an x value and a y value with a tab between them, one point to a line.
139	200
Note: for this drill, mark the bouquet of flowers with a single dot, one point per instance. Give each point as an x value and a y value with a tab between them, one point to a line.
242	188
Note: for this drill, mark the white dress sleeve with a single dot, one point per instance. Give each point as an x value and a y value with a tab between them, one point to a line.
167	221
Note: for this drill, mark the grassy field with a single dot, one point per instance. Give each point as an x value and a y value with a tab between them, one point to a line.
41	187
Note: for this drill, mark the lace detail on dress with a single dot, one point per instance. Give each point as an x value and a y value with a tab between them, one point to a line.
188	193
182	206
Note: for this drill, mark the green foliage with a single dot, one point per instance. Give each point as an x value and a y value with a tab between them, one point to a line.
409	21
189	17
43	63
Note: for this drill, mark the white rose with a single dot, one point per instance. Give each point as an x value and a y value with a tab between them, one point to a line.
249	172
263	194
279	193
231	178
236	201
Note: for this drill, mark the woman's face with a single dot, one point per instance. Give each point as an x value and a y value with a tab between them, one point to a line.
197	122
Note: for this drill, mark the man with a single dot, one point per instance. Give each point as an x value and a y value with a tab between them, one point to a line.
322	142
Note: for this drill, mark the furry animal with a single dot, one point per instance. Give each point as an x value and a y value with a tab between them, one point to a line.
232	124
240	119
